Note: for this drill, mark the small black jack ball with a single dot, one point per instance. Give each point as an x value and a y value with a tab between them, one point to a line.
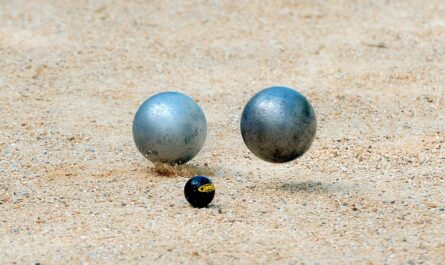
199	191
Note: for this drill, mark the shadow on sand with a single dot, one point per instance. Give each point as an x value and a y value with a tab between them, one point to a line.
310	187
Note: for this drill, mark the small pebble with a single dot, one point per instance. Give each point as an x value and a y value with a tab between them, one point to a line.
24	193
90	148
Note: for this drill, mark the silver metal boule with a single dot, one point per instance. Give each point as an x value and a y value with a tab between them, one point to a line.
169	127
278	124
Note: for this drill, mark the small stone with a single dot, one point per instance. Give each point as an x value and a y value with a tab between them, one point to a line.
24	193
90	148
431	205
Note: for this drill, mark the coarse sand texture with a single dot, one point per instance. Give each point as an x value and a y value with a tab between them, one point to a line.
74	189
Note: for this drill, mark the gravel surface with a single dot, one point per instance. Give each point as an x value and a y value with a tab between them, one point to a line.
75	190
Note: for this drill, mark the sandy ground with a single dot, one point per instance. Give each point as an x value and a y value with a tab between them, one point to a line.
75	190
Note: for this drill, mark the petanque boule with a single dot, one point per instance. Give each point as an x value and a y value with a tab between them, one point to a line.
278	124
169	127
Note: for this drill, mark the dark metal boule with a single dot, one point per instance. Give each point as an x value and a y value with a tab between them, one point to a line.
278	124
